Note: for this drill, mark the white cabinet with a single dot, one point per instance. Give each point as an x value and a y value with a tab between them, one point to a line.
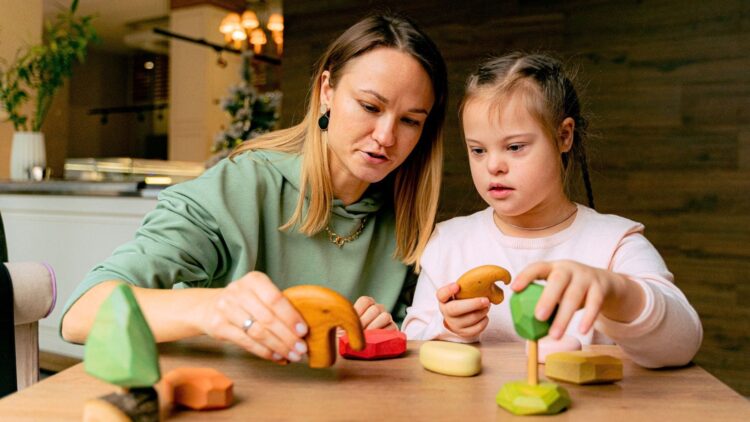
72	234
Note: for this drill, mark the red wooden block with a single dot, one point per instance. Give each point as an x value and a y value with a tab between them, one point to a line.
379	344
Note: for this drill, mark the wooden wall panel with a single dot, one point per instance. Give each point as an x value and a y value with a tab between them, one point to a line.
667	88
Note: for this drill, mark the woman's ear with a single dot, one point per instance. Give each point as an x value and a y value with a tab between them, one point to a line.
326	90
565	134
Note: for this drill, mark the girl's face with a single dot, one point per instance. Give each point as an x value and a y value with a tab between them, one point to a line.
379	106
515	165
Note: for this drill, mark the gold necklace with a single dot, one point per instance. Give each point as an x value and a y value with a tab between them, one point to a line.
545	227
339	240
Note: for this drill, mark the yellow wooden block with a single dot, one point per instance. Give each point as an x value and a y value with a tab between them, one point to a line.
583	367
460	360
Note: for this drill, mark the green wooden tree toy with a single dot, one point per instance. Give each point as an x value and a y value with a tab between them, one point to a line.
531	397
121	350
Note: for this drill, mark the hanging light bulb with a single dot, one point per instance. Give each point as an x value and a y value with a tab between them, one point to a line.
258	40
275	22
278	39
230	23
250	20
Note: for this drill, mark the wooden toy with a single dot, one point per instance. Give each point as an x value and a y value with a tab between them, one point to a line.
323	310
196	388
379	344
531	397
548	345
120	348
138	404
583	367
447	358
480	281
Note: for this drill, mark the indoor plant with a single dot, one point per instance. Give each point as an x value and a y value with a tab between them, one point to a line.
36	74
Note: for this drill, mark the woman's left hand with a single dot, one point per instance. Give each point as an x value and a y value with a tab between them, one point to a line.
373	315
572	285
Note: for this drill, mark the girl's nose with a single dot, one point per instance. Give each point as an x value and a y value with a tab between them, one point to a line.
496	164
383	131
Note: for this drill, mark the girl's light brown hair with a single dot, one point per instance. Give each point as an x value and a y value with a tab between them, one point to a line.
549	95
416	183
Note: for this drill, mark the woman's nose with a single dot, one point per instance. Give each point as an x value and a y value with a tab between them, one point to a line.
383	131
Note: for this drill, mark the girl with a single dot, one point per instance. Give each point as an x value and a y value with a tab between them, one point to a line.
328	201
525	134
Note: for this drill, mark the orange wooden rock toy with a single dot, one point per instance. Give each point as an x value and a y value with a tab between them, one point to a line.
379	344
196	388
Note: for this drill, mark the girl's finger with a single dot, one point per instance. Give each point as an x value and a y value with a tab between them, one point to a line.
570	303
446	293
363	304
458	308
593	305
536	271
468	319
557	283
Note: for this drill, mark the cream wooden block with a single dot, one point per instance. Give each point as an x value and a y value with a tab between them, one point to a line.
583	367
447	358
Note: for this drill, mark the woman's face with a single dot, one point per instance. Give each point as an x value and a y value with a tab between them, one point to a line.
379	106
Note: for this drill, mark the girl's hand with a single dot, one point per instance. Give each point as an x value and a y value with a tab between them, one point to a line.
373	315
572	286
277	328
465	317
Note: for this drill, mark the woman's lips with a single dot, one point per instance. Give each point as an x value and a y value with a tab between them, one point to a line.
373	157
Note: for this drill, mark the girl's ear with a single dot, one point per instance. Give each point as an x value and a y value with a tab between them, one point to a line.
326	90
565	134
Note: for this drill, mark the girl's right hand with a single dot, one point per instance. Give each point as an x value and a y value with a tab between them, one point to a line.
464	317
277	329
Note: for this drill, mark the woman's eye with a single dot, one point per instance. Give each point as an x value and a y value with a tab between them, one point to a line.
369	107
411	122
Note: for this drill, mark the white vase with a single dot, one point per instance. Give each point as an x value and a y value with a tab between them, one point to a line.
27	152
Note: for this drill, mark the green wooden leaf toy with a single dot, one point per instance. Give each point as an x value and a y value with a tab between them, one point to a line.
120	348
522	306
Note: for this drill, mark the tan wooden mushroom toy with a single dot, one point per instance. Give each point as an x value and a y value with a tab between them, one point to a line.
480	281
323	310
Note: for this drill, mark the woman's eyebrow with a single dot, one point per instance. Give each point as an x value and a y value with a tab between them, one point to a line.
384	100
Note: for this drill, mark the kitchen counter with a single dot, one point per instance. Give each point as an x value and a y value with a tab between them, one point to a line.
80	188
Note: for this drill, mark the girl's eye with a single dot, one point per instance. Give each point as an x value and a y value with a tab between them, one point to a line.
369	108
515	147
476	150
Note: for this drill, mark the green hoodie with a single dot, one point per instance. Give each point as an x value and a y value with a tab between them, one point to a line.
212	230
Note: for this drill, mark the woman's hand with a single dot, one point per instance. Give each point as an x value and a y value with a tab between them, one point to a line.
465	317
572	286
373	315
276	329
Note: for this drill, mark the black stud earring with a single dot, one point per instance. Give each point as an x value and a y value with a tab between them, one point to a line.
323	120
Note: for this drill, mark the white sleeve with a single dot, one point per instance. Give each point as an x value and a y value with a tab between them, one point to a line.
424	321
668	332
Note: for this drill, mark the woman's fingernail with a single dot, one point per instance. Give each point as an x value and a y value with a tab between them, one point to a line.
277	356
301	328
301	347
294	357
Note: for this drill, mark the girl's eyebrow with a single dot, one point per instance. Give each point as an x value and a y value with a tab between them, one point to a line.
505	139
384	100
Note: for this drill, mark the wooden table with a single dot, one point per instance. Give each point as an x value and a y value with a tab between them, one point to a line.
397	389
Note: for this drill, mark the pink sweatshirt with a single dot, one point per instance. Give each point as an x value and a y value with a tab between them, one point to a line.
667	333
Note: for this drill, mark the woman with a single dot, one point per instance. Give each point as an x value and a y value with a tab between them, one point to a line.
347	199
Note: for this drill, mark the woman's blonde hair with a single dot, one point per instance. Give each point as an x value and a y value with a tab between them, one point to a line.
416	182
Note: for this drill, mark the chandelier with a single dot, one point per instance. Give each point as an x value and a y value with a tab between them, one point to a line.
246	29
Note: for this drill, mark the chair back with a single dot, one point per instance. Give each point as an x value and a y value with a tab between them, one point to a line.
28	292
